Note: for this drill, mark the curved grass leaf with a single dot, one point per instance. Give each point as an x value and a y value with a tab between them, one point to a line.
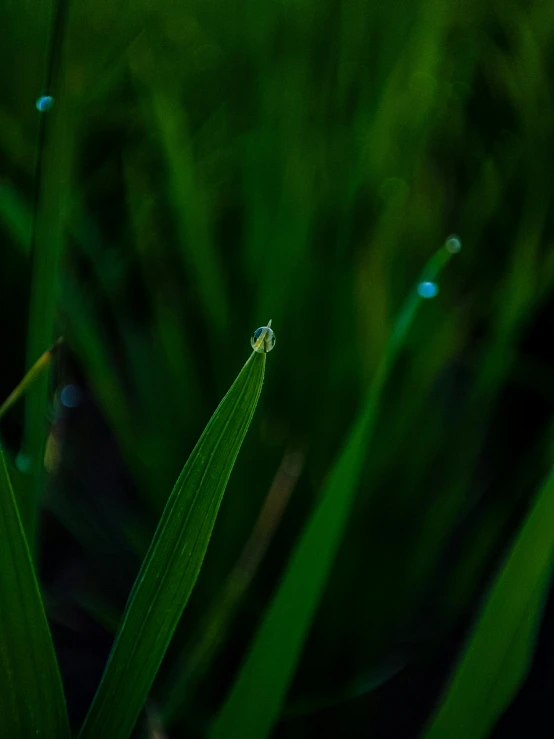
39	366
499	650
31	694
255	700
173	561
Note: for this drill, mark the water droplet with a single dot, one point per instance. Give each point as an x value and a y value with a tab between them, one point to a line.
453	244
263	339
44	103
427	289
71	396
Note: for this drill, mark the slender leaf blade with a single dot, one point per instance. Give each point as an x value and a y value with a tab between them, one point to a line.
173	562
48	244
498	653
39	366
254	702
31	694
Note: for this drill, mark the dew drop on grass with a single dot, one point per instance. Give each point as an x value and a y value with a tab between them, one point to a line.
453	244
44	103
71	396
263	339
427	289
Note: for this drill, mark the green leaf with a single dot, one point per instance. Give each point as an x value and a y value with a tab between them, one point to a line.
255	700
497	656
173	561
31	694
38	367
48	244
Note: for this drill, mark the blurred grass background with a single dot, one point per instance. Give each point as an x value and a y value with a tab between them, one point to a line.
207	166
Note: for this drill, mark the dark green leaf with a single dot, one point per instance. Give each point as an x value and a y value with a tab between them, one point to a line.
499	650
48	243
173	562
31	695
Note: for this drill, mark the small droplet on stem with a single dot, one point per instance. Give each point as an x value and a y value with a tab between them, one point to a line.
44	103
427	289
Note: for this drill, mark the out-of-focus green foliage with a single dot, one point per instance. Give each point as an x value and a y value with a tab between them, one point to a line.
208	165
31	694
500	648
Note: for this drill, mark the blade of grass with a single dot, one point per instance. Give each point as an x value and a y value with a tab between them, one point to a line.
38	367
55	148
499	650
173	561
31	694
257	695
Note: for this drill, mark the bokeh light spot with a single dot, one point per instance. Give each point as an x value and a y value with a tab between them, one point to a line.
71	396
427	289
453	244
44	103
23	462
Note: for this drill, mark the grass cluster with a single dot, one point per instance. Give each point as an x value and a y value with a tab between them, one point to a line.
173	174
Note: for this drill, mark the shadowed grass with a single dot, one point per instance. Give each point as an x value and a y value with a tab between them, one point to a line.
31	694
499	650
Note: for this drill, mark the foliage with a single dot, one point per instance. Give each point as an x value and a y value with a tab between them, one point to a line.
206	166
